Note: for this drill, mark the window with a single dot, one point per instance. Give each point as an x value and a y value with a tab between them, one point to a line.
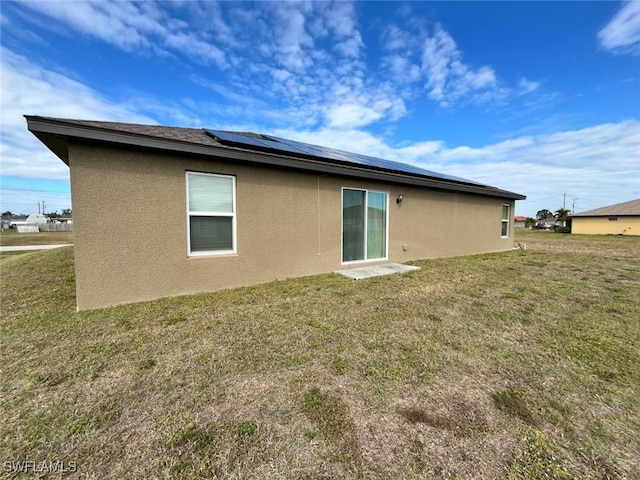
211	210
613	219
364	225
505	220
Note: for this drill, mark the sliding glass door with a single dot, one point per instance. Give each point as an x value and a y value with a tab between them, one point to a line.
364	225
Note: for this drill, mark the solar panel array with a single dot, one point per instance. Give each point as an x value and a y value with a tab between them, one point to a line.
298	149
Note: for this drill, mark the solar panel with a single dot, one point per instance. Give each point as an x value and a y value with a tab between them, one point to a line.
300	149
257	141
313	150
282	146
234	138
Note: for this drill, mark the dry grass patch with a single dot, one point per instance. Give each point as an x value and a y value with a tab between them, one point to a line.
523	364
515	401
462	418
10	238
330	416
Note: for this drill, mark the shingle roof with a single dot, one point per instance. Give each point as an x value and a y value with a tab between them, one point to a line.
56	133
631	207
178	134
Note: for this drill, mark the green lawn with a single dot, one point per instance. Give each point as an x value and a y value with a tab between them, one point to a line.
523	364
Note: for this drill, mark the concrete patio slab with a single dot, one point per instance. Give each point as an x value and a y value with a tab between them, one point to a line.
377	270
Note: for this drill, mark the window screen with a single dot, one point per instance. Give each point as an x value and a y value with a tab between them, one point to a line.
211	211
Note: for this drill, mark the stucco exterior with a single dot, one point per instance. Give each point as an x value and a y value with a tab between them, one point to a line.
131	234
618	219
622	225
165	211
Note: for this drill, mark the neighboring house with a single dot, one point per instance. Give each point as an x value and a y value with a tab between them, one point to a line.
554	222
546	223
619	219
5	221
16	220
520	222
163	211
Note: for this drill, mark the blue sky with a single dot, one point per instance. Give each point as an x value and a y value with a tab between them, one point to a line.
540	98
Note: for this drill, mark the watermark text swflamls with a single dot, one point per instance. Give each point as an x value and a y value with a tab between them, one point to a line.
45	466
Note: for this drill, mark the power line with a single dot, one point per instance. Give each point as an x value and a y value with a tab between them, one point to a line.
582	200
33	190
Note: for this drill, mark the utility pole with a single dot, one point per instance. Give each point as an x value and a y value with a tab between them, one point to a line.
573	208
564	201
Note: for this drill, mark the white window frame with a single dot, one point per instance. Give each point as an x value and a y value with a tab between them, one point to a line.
231	214
366	225
504	221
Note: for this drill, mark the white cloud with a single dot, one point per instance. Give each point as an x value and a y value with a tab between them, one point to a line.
27	89
340	17
394	39
598	164
132	27
306	57
448	78
118	26
352	140
291	39
403	70
419	150
351	115
527	86
622	33
433	59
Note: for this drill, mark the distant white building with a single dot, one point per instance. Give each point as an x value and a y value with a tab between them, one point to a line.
37	219
25	223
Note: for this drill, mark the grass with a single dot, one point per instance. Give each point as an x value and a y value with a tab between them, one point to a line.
522	364
11	237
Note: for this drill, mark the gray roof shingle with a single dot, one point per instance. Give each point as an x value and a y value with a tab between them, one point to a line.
631	207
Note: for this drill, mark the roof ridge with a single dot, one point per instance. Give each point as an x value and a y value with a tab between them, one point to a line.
631	207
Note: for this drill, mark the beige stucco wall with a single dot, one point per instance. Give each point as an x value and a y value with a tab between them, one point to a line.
602	226
130	222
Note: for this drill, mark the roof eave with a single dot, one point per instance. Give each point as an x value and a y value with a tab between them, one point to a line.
605	215
55	135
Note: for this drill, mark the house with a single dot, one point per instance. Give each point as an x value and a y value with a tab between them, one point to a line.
548	223
520	221
619	219
163	211
15	220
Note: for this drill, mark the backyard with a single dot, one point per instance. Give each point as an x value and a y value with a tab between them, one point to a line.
10	238
522	364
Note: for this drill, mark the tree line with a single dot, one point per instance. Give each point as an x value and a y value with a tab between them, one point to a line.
560	215
66	212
